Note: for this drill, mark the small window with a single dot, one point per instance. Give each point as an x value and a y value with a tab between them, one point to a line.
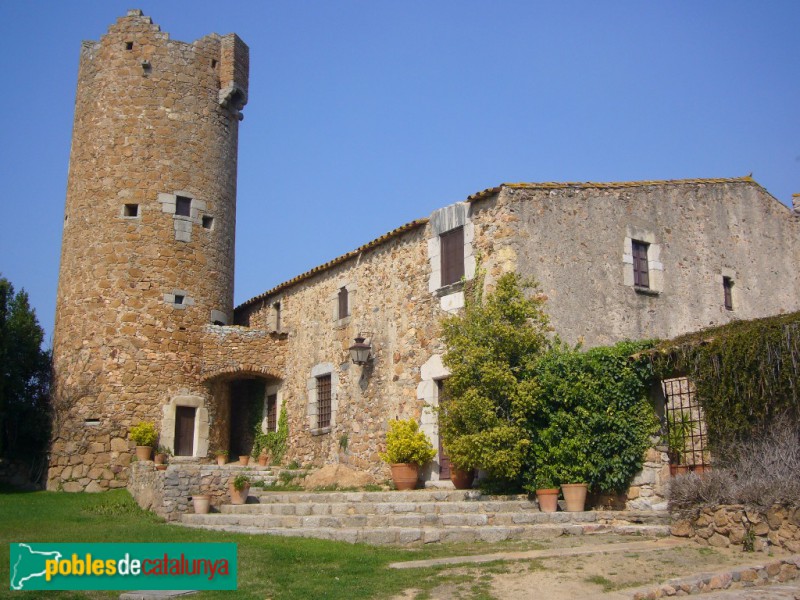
276	311
213	63
128	45
727	290
272	412
324	401
131	210
91	422
183	206
452	255
344	304
208	222
641	273
179	299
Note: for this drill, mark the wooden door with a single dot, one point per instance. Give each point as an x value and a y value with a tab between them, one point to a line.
184	430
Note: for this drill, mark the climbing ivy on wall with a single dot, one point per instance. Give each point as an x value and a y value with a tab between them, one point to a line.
272	443
747	373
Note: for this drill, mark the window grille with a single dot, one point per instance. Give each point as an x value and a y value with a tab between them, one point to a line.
324	401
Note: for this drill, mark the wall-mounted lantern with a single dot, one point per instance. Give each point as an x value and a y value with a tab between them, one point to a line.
360	352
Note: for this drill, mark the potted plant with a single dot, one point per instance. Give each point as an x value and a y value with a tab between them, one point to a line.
407	448
161	455
239	488
546	489
461	474
679	427
144	435
244	459
222	456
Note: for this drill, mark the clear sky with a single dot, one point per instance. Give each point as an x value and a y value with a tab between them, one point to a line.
365	115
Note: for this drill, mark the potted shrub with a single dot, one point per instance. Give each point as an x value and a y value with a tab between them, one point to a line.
461	473
407	448
263	459
144	435
244	459
222	456
239	488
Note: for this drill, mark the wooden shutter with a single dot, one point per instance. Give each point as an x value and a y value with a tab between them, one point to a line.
641	275
452	255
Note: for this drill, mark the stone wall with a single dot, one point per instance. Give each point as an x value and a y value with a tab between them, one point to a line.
575	240
725	526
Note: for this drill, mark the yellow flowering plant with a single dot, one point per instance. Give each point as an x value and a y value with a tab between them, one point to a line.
405	443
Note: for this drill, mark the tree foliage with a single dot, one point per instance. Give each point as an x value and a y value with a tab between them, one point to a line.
24	377
492	349
593	419
534	412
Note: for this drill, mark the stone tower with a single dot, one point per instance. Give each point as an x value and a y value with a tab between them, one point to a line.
147	255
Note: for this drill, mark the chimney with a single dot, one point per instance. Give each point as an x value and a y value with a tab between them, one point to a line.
796	203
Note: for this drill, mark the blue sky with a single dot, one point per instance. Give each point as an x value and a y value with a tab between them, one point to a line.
364	115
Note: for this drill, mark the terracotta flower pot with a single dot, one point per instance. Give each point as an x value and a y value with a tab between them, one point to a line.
221	460
238	496
143	452
462	479
262	460
574	496
675	470
548	499
161	467
244	459
160	458
201	502
405	475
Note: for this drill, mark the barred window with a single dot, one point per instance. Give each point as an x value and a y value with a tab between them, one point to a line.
272	412
324	401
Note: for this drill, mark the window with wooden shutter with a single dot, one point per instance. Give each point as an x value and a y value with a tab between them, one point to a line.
451	248
344	303
641	275
324	401
272	412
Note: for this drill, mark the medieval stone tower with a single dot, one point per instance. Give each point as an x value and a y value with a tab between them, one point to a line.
148	246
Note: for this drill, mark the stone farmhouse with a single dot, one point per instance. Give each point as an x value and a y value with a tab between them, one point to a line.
146	328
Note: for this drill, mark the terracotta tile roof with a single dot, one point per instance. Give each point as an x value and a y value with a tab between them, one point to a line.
556	185
336	261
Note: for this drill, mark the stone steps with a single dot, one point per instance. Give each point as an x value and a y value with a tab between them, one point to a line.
416	516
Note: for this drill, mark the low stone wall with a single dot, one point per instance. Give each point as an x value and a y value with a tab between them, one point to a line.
169	493
724	526
648	488
776	571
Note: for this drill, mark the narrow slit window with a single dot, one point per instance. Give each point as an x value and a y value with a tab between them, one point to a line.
213	63
208	222
727	290
183	206
276	308
452	255
324	401
344	303
131	210
641	273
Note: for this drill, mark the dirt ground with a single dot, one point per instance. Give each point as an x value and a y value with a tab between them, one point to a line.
604	574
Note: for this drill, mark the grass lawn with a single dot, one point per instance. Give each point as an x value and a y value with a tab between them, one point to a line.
269	567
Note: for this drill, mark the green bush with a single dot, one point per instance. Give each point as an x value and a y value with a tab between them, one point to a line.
591	420
143	434
405	443
273	443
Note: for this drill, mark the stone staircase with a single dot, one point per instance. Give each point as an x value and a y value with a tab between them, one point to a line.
417	516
